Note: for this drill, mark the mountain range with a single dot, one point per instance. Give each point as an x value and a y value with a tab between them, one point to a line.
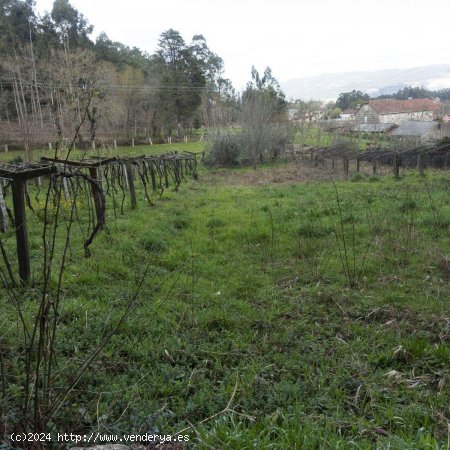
328	86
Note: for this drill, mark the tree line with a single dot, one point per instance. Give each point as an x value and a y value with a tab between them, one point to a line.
350	100
54	75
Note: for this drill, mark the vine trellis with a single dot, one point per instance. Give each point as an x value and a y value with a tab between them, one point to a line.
434	155
97	178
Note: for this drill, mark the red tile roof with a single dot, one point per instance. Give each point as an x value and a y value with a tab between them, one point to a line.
393	106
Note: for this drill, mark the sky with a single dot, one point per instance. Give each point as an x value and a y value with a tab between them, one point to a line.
296	38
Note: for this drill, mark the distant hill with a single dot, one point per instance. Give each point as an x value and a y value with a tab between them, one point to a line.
379	82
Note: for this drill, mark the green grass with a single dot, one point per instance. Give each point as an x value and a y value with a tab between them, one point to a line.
316	136
313	136
196	147
295	302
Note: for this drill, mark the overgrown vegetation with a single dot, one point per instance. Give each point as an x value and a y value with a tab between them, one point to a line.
260	138
47	63
309	315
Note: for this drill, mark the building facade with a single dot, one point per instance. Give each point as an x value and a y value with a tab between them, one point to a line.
397	111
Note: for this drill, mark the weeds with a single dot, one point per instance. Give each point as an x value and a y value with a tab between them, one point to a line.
317	346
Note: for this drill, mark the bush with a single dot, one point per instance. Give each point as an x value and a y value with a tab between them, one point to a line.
251	146
358	176
223	150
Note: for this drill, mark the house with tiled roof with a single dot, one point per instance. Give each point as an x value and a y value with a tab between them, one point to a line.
423	130
397	111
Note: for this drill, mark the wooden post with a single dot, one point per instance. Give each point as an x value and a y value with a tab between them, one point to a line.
66	188
49	145
150	140
98	202
132	143
130	177
345	166
166	178
23	252
3	213
125	175
115	144
374	167
152	174
357	164
397	165
420	165
6	148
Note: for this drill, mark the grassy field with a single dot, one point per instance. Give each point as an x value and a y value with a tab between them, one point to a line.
138	150
280	315
319	136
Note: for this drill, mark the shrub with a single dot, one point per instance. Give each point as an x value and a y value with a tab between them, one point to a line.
264	143
358	176
251	146
223	150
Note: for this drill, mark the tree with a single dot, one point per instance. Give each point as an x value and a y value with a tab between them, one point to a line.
18	23
263	103
335	113
181	81
71	26
350	100
45	62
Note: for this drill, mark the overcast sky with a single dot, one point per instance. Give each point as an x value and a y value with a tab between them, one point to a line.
295	38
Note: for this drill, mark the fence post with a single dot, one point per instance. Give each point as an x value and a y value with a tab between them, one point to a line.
130	177
125	175
3	213
20	222
397	165
93	172
346	165
66	188
420	165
